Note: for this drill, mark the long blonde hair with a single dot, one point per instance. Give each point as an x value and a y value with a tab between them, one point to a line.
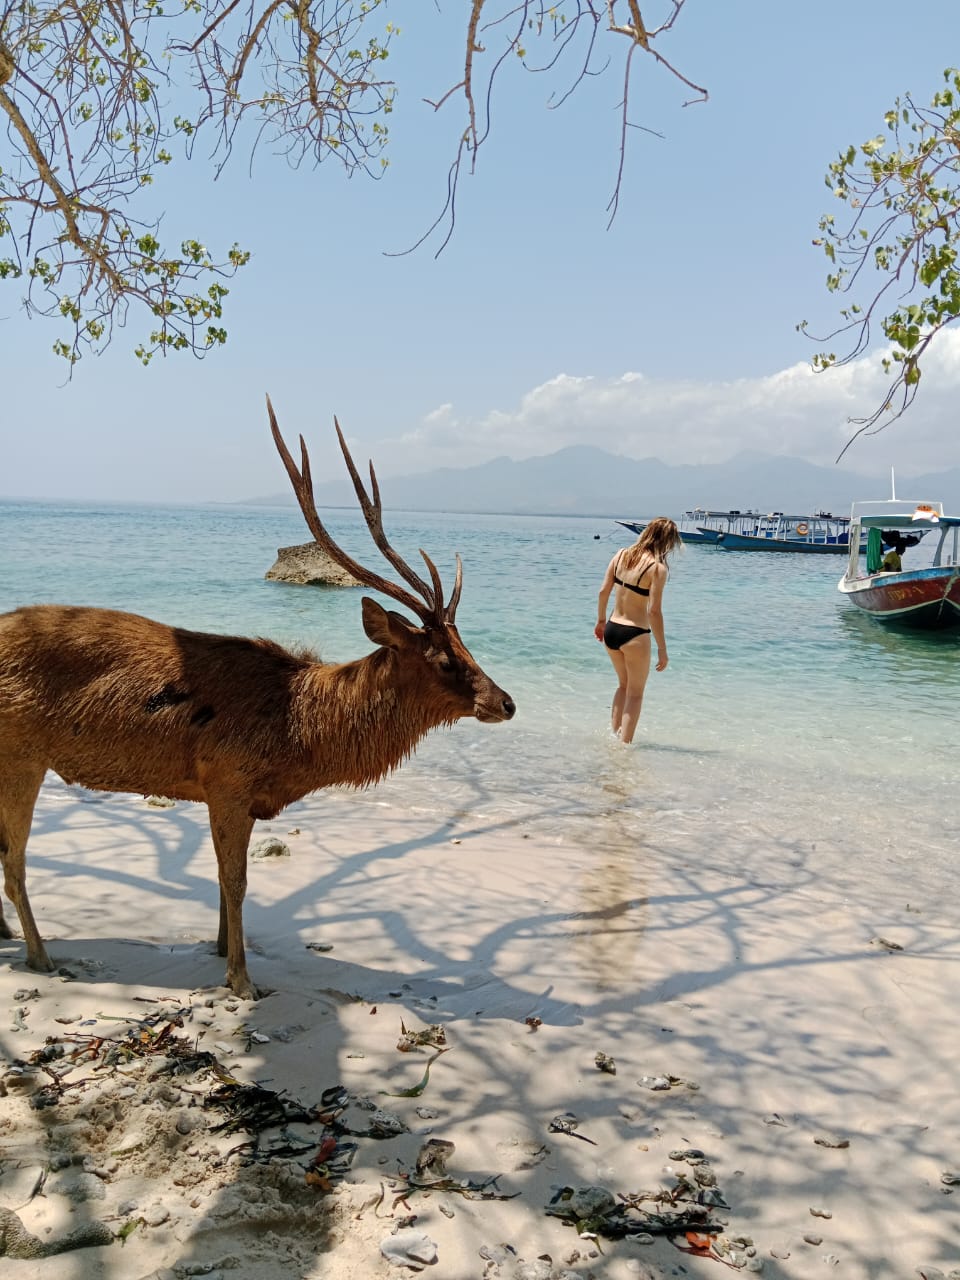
659	538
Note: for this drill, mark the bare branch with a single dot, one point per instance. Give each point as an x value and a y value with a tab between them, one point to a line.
484	40
212	26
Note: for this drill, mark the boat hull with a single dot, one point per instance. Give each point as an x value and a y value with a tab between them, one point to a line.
698	537
921	598
808	546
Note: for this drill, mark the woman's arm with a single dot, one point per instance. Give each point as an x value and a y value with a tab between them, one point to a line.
604	597
659	576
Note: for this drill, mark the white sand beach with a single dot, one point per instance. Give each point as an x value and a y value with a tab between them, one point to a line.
811	1062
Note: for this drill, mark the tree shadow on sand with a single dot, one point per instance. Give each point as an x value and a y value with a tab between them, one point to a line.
632	950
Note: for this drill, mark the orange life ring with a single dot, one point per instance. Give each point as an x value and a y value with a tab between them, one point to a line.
803	528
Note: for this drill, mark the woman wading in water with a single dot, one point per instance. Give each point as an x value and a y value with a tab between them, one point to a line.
639	574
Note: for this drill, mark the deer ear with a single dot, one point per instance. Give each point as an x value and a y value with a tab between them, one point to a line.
384	626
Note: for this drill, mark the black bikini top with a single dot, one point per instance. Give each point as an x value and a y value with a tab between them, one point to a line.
641	591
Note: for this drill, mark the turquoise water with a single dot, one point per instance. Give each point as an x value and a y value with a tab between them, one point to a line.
785	722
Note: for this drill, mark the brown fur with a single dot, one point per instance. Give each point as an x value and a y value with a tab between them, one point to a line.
116	702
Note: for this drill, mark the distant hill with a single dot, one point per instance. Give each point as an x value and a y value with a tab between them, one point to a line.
582	480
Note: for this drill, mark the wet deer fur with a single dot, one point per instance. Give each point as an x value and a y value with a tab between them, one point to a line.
117	702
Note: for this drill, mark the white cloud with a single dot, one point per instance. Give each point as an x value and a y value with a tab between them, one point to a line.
794	412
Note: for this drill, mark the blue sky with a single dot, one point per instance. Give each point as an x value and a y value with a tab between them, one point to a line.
670	335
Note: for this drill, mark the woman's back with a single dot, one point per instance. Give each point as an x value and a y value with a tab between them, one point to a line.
633	587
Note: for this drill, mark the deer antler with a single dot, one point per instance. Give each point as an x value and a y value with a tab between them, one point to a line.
430	608
373	514
451	610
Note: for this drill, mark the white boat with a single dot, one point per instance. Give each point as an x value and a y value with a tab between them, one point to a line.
923	597
698	526
820	534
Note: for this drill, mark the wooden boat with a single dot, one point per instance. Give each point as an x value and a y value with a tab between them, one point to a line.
820	534
700	527
923	597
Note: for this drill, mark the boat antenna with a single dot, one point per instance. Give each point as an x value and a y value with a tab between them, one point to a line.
893	486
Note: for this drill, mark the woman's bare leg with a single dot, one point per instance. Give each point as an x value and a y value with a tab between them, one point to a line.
636	658
616	710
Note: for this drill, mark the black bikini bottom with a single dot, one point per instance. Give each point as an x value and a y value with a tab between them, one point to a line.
616	634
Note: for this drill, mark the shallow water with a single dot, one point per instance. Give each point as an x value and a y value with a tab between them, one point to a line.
786	721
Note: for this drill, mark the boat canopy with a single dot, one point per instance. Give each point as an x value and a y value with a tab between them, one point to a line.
897	513
703	512
886	517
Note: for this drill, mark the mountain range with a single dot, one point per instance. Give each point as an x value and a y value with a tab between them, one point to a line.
585	481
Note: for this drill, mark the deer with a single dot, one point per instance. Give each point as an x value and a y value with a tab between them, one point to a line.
116	702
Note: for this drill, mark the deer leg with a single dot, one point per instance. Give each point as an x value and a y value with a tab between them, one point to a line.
18	795
231	827
5	930
222	931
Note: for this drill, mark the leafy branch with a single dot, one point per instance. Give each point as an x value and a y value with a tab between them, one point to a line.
97	97
85	133
899	244
85	90
309	74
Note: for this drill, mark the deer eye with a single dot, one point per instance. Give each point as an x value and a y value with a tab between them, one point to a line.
444	663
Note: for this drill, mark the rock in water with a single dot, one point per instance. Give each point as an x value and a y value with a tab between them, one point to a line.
307	565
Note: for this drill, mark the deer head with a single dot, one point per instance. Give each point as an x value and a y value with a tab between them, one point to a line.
432	652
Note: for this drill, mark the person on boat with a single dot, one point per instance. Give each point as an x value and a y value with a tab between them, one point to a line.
639	574
892	562
897	544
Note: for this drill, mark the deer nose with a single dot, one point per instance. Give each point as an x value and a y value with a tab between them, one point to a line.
509	707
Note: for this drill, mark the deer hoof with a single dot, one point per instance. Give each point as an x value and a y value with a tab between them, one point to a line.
41	963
